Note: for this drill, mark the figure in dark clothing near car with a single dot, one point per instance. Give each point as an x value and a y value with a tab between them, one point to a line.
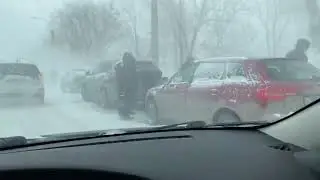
299	53
127	85
188	62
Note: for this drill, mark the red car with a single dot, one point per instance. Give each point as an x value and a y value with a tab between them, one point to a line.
234	89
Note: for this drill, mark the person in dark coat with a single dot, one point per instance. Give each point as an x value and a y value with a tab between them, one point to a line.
127	84
299	53
188	62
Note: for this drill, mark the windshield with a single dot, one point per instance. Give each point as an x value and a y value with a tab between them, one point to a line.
73	66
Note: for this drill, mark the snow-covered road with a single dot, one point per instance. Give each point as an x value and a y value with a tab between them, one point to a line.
61	113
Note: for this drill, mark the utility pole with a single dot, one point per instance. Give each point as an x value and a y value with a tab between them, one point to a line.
154	32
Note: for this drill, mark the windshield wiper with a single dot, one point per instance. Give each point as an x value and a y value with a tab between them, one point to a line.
203	124
239	124
200	125
13	141
21	141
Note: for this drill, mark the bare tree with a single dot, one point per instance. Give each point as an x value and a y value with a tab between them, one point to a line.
273	21
216	15
200	22
185	25
88	28
222	16
132	15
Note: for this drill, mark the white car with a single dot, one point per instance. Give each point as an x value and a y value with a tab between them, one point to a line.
22	81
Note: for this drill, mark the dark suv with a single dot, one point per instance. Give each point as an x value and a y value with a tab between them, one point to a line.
235	89
103	85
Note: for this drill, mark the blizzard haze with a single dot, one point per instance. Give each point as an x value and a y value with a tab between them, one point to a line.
40	32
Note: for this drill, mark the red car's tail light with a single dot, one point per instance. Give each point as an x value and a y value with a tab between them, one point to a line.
273	94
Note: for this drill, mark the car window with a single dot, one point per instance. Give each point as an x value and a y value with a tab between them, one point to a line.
102	67
209	71
184	75
284	70
235	71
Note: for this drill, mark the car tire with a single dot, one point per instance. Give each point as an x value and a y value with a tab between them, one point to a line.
226	116
151	110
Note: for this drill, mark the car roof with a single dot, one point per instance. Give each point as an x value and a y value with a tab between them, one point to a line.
220	59
137	62
238	59
20	65
12	63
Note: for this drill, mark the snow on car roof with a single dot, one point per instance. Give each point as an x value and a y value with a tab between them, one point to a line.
19	60
219	59
214	59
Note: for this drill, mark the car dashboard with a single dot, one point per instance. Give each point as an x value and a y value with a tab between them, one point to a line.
190	154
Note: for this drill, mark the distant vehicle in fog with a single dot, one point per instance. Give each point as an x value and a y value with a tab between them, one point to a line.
22	81
71	82
100	85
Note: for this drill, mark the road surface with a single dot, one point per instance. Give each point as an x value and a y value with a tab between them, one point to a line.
60	113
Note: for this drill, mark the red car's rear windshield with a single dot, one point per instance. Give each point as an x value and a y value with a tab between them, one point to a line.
290	70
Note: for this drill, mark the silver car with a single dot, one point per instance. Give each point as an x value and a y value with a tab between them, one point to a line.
21	81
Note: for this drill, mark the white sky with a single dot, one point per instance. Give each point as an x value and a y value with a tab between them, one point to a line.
19	30
22	33
24	23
